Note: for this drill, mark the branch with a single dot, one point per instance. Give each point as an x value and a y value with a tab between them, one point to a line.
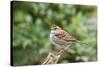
54	58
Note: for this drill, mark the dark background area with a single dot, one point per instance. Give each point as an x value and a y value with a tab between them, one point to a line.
31	24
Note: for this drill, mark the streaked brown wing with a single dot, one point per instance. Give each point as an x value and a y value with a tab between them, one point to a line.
65	36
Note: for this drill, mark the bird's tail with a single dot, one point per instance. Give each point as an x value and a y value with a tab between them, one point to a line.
77	41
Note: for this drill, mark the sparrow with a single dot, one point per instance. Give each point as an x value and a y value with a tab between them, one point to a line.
60	38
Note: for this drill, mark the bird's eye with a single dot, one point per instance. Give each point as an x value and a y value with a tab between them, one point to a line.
55	28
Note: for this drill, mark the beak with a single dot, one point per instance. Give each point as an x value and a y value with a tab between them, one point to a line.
51	28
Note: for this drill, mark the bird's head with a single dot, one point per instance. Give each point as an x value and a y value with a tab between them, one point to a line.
54	28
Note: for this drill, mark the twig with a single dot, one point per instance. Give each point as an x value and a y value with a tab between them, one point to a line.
53	58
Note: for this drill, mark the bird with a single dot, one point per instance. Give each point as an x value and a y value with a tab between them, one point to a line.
60	38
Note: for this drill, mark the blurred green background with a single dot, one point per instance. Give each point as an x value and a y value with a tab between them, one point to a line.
31	29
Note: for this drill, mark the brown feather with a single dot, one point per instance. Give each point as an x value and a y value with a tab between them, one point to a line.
65	36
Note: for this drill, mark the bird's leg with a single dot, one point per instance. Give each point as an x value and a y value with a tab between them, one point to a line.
62	50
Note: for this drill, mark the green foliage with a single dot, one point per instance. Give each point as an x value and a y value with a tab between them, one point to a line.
31	29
